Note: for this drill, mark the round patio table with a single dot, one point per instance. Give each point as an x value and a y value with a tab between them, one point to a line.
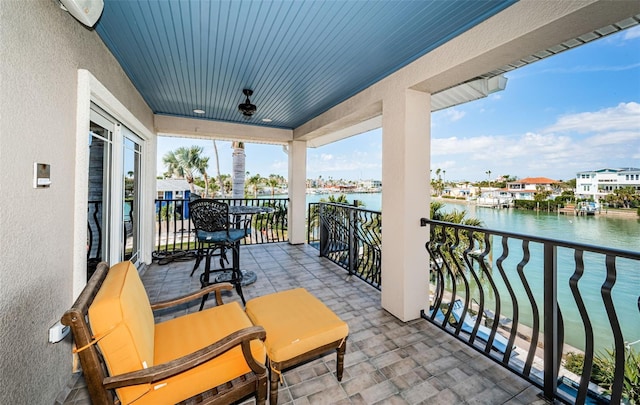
238	212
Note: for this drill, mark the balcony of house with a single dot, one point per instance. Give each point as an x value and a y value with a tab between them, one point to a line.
386	361
481	336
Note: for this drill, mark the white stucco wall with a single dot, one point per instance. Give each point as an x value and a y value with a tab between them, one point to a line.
41	49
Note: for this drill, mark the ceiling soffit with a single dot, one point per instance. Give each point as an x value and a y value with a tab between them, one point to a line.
299	57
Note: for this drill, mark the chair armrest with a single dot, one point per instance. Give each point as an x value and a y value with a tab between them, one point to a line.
159	372
217	288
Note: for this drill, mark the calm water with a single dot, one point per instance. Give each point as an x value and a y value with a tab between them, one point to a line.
619	233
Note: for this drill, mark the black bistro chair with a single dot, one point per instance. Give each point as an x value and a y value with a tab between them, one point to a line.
214	237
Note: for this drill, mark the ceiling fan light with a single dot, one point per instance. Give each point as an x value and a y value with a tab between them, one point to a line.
247	109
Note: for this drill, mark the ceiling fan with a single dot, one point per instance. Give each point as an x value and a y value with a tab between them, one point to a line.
247	109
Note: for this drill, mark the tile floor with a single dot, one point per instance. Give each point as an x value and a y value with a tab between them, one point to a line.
387	361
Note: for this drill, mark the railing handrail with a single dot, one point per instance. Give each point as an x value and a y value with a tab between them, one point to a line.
627	254
348	241
452	248
174	231
358	208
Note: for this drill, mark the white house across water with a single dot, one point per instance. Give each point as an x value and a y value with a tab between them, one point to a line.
596	184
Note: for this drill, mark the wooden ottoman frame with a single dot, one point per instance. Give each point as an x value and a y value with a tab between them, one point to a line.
276	368
299	328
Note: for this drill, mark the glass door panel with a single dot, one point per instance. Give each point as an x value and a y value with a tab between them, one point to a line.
114	190
131	196
99	190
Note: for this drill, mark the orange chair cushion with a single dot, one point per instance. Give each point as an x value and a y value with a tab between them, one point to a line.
183	335
121	318
122	321
296	322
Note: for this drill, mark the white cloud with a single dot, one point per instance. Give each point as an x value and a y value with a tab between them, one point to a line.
627	138
454	115
326	157
609	137
624	116
280	165
455	145
632	33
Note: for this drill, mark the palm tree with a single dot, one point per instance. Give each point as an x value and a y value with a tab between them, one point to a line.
185	162
254	183
202	165
447	237
238	169
218	176
228	183
273	181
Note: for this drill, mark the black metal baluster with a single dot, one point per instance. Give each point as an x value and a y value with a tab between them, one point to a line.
551	359
534	308
496	293
588	328
618	341
476	279
514	301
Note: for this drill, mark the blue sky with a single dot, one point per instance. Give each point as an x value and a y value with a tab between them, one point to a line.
579	110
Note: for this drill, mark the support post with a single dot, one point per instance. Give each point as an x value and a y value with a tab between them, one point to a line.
405	177
297	191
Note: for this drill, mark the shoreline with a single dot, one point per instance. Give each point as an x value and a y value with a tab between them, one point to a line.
630	214
618	213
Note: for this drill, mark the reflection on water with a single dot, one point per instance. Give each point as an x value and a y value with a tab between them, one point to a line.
613	232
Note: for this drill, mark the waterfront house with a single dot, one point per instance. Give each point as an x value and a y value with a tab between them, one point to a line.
370	185
527	188
494	197
168	189
597	184
524	189
138	75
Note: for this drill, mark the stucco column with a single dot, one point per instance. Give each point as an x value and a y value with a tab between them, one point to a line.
297	191
405	199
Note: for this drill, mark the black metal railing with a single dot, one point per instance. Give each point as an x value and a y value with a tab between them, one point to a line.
175	233
536	299
348	236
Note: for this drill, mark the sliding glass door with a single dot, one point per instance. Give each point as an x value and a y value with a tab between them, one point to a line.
114	181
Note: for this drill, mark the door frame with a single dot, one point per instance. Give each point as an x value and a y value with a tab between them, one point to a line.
90	90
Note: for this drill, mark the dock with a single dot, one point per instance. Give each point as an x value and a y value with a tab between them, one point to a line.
582	210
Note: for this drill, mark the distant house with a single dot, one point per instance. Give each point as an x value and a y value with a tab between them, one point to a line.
493	197
526	189
175	189
371	184
596	184
461	190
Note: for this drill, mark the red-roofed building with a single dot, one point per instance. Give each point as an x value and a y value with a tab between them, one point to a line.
525	189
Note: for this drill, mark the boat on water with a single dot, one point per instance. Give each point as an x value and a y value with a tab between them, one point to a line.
588	208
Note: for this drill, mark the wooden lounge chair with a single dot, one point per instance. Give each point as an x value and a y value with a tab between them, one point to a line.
215	356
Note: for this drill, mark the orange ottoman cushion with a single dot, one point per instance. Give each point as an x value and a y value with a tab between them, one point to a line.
296	322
